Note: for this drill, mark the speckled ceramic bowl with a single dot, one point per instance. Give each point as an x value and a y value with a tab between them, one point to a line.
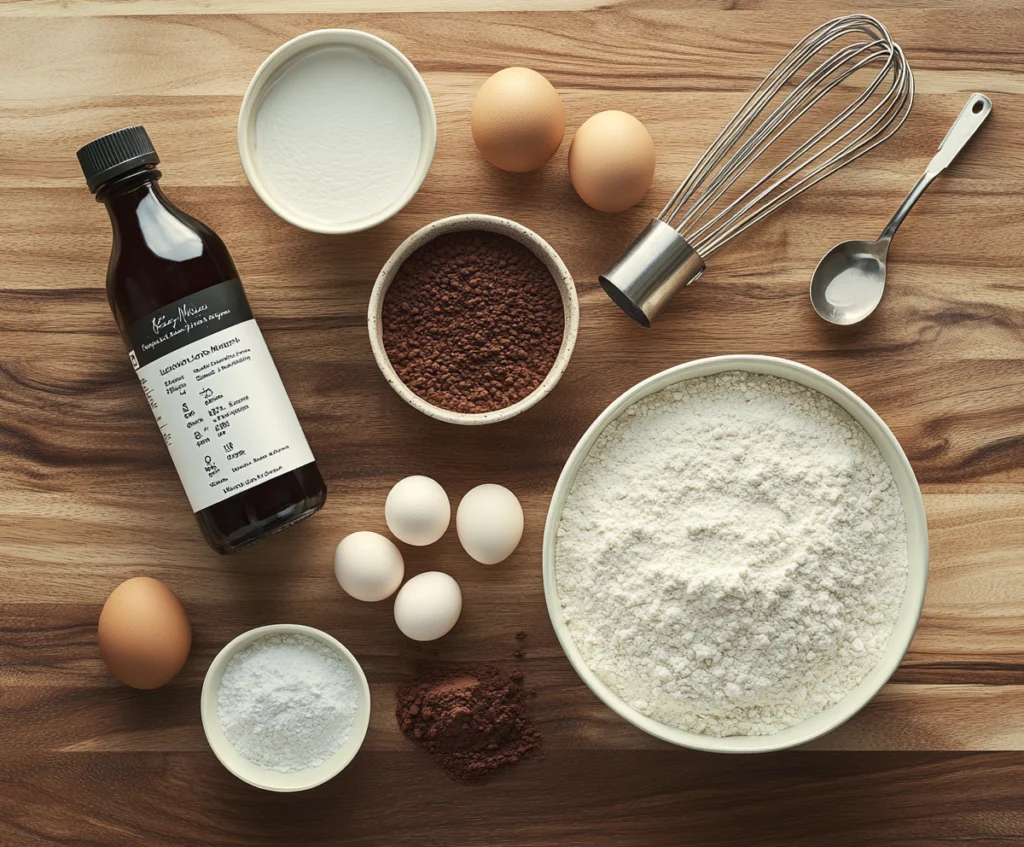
487	223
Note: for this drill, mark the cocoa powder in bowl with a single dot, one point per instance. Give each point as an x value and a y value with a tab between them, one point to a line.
472	322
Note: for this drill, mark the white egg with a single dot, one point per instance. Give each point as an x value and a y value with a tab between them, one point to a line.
489	523
417	511
368	566
428	606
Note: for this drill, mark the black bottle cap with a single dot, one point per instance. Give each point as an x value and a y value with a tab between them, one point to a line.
115	154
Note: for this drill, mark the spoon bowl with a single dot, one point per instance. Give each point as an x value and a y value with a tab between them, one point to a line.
848	283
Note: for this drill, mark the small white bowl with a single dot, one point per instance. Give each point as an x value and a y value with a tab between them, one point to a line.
264	777
917	554
487	223
270	71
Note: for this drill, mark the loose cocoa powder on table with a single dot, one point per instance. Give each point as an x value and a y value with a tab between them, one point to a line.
472	322
472	722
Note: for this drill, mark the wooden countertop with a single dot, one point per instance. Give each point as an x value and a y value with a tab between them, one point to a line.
88	496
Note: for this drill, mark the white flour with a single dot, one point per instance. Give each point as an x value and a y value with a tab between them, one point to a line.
733	555
338	135
287	702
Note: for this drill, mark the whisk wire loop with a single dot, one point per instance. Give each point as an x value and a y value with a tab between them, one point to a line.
881	114
796	86
805	95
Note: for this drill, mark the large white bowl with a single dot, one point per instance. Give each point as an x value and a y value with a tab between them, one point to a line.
270	71
486	223
917	553
265	777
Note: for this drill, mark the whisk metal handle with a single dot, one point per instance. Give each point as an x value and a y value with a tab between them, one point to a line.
973	115
659	263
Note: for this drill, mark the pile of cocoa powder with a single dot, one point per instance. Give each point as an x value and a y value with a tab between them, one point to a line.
472	722
472	322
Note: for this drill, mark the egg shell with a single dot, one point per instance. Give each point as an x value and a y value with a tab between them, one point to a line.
368	566
489	522
428	606
611	161
518	120
417	511
144	633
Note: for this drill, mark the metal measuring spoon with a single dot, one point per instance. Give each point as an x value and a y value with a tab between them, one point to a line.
847	285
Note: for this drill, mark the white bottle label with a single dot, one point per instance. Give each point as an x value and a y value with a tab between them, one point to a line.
216	394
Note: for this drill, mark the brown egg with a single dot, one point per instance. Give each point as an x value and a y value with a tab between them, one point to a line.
518	120
611	161
144	633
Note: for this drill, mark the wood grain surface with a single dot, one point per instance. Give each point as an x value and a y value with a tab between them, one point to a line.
88	496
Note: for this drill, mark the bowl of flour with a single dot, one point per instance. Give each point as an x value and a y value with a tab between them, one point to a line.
735	554
285	707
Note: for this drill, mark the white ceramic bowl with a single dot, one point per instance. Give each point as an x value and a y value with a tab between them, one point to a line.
488	223
917	552
264	777
270	71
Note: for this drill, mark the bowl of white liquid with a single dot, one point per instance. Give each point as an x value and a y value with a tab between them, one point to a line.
337	131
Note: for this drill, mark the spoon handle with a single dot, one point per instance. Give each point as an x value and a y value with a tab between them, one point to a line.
973	115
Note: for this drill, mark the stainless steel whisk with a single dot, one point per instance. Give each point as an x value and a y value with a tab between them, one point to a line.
671	253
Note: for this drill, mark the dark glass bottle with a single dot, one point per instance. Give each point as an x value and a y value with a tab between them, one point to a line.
214	389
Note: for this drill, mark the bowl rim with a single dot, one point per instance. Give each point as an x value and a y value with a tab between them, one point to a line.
917	573
375	47
218	742
502	226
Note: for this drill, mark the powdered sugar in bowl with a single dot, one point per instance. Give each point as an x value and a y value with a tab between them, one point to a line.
285	707
735	554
